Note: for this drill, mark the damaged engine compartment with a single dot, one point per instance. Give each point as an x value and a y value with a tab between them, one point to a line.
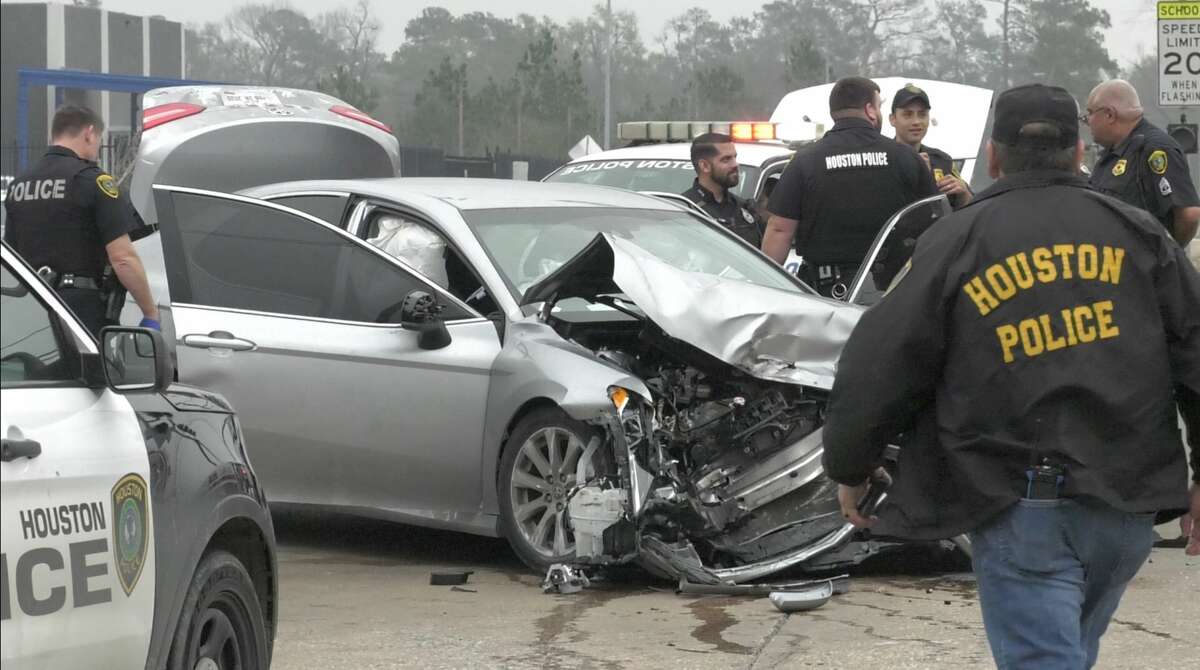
716	478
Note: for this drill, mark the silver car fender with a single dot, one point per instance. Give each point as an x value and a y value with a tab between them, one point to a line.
536	365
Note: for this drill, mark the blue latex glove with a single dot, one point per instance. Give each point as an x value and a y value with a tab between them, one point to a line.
150	323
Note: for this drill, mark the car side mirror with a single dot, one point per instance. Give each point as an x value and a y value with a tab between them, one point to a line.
421	312
135	360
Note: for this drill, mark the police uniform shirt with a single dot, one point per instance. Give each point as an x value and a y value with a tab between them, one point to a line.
732	212
1042	316
942	165
843	187
1147	170
63	212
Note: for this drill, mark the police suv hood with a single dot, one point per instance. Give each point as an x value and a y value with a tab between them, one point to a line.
769	333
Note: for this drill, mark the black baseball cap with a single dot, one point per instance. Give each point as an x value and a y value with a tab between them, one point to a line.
908	94
1035	103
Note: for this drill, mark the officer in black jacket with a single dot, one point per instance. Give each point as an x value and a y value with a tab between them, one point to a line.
714	156
1028	355
837	193
69	220
910	120
1142	165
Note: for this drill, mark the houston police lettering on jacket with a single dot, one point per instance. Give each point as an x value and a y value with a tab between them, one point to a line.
838	192
1029	355
68	218
1142	165
714	157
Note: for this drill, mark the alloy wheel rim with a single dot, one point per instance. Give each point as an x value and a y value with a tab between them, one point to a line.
543	475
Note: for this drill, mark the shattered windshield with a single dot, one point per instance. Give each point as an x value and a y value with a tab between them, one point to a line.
664	176
528	244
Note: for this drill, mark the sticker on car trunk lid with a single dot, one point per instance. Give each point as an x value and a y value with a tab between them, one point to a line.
250	98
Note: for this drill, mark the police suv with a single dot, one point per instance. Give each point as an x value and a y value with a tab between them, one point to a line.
134	532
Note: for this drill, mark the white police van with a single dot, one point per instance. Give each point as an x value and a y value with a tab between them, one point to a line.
133	531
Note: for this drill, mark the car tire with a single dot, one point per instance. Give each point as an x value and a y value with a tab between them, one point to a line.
221	626
538	527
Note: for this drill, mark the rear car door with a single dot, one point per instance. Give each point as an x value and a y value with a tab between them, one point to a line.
280	312
78	551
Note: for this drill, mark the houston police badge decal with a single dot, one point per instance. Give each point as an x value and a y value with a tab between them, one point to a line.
131	529
108	186
1119	168
1158	161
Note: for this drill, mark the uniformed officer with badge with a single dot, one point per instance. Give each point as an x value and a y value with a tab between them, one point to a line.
1028	357
1142	165
910	120
837	193
68	219
714	157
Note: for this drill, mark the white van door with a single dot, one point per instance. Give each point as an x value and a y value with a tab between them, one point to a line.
75	526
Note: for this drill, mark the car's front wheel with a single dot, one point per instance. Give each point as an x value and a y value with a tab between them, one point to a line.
221	626
537	473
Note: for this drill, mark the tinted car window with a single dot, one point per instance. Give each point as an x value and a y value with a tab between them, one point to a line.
31	347
325	207
247	256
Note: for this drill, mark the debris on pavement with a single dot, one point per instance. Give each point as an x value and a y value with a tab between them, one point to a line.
802	600
562	578
450	578
837	586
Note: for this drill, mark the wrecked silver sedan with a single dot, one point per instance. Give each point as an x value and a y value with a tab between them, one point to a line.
597	375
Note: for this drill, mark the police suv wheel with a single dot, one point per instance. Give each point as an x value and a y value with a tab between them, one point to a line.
221	626
537	472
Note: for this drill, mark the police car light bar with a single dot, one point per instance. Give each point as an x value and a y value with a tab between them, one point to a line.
351	113
172	111
686	131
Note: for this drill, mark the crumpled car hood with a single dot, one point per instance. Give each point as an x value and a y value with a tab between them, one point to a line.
769	333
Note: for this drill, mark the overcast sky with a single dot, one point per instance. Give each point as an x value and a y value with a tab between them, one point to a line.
1133	20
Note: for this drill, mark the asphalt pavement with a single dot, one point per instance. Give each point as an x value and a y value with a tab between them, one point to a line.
355	594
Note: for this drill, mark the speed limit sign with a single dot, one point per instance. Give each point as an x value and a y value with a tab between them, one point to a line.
1179	53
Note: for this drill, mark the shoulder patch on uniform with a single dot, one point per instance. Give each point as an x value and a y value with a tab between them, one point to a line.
131	528
1158	161
1164	186
108	185
1119	168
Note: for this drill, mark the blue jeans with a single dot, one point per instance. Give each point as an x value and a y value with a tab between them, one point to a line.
1051	573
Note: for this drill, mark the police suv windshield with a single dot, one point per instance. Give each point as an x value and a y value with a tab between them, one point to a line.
649	174
528	244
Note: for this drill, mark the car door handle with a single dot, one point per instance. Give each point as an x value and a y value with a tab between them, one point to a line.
11	449
218	339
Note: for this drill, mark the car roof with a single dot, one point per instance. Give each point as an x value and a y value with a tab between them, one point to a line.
472	194
749	153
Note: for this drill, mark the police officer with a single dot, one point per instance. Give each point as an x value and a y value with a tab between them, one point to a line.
714	157
69	220
910	120
1143	165
837	193
1029	354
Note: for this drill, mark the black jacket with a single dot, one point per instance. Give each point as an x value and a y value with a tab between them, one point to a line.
842	189
1042	317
